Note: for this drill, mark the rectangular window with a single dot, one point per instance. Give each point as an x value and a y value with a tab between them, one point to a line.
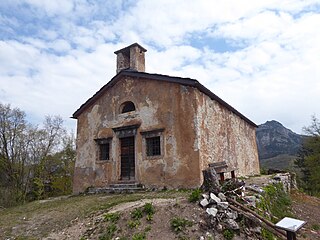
104	151
153	146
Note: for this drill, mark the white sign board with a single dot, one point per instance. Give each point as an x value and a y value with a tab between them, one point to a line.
290	224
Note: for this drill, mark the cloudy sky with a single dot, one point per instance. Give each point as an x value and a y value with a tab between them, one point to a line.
262	57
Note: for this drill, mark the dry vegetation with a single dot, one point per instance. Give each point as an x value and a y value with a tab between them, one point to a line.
150	215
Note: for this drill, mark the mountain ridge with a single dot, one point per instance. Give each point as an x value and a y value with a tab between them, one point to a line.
273	139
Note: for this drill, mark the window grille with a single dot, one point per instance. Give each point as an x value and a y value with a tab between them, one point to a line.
104	151
153	146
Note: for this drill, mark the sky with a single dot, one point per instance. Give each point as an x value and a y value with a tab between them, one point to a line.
262	57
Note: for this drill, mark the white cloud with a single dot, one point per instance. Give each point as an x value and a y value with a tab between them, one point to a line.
56	54
52	7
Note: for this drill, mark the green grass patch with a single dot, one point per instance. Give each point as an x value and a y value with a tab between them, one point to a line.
195	195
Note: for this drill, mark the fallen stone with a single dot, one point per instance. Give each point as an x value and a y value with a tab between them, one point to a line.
223	205
205	196
232	224
232	215
204	202
212	211
222	197
214	198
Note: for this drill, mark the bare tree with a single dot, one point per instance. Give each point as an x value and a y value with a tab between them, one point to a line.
24	149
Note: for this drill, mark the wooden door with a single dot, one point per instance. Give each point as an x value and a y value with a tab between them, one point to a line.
127	158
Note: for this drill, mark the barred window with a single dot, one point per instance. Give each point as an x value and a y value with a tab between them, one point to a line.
104	151
153	146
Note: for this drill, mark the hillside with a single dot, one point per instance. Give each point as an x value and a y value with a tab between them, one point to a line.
102	216
277	145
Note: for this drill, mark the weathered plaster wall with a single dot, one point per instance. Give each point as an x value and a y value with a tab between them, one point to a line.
224	136
158	105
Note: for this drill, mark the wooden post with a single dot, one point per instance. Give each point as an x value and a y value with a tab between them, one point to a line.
233	175
291	235
221	177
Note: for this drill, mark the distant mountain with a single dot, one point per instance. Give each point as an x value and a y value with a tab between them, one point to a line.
274	139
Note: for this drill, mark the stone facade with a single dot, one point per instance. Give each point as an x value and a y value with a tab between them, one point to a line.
166	129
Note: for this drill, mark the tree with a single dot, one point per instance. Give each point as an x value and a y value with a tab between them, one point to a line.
308	160
27	151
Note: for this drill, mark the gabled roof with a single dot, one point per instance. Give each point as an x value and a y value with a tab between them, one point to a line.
158	77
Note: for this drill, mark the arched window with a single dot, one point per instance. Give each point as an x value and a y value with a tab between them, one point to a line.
127	107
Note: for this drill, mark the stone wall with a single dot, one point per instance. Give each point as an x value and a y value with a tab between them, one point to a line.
224	136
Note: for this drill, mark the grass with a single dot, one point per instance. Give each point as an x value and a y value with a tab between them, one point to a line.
315	227
179	224
276	202
195	195
54	215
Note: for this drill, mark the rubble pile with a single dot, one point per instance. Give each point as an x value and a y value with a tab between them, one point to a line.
230	206
217	207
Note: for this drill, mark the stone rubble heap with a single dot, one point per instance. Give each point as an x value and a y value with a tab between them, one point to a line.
221	215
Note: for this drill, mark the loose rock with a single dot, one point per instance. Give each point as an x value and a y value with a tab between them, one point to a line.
222	197
214	198
212	211
204	202
223	205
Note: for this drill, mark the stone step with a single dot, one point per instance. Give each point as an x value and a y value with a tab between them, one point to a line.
117	188
125	185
